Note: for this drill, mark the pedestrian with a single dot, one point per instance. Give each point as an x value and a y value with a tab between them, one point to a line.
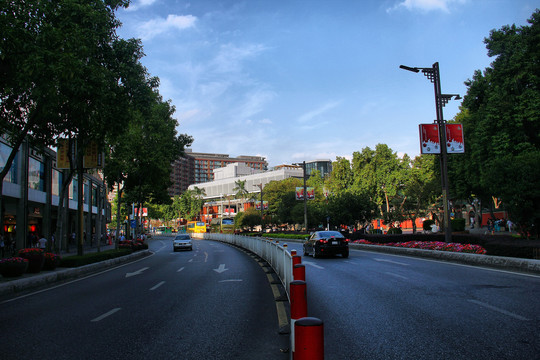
510	224
42	242
2	245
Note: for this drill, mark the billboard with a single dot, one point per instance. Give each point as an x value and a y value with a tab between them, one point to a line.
62	154
454	139
429	139
300	193
258	205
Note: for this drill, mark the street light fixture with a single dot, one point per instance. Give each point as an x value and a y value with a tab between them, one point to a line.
441	100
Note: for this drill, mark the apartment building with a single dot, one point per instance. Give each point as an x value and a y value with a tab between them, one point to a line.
196	168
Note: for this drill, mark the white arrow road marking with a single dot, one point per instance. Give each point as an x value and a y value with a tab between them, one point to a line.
220	269
99	318
157	285
391	261
180	269
138	272
502	311
313	264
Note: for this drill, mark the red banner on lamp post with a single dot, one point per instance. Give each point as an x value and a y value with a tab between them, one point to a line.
454	139
429	139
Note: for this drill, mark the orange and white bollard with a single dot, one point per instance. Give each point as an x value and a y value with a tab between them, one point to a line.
296	259
298	294
308	339
299	272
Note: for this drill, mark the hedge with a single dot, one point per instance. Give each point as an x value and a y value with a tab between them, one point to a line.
93	257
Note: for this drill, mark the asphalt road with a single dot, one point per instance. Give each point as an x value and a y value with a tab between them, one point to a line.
214	302
379	306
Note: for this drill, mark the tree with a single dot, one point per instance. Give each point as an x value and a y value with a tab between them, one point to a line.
421	188
240	190
341	177
500	121
380	175
52	54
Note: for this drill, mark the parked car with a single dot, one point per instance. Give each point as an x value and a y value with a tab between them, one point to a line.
326	243
182	242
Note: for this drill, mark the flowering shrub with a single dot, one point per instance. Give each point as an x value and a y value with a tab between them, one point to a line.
432	245
13	260
51	261
14	266
27	252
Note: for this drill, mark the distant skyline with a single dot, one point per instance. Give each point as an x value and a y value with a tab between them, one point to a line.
295	80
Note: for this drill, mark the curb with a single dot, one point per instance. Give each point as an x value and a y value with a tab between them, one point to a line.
39	280
528	266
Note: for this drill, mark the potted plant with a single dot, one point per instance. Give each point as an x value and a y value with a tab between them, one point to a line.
51	261
35	257
14	266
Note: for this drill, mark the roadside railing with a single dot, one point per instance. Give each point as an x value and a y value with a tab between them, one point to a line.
275	254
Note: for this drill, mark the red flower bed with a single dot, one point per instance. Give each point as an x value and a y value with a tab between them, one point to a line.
432	245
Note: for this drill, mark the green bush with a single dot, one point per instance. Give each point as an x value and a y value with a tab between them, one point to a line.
458	224
393	231
90	258
426	225
288	236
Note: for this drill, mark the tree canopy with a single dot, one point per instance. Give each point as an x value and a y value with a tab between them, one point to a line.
500	120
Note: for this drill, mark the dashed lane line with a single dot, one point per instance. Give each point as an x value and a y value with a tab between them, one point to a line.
107	314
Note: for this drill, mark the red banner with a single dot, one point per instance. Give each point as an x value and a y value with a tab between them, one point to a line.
429	139
454	139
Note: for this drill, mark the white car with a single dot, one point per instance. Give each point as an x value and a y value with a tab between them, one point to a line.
182	242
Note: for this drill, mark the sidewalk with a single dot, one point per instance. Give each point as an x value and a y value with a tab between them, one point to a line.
34	281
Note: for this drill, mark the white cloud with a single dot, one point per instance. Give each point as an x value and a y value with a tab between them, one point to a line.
318	111
425	5
140	4
230	56
158	26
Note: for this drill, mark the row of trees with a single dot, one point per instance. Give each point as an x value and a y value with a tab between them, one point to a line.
65	74
500	115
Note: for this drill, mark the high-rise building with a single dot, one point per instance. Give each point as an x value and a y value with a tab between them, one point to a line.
195	168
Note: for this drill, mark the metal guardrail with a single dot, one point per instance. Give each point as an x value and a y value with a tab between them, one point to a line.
279	258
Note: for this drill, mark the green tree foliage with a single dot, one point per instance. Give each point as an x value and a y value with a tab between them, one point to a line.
500	121
379	174
421	188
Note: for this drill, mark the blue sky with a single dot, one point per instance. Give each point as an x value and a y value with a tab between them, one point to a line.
295	80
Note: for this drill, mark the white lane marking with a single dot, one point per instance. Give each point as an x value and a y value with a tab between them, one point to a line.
391	261
398	276
180	269
190	260
99	318
220	269
231	280
313	264
157	285
138	272
502	311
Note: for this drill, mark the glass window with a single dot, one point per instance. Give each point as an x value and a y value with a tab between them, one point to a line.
36	174
94	196
4	154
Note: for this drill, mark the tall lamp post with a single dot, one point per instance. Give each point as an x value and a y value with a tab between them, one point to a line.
303	164
441	100
260	186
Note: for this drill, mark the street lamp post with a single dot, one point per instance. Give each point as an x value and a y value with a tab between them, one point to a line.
260	186
441	100
303	164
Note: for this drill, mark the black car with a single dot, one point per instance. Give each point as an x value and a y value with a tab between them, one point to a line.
326	243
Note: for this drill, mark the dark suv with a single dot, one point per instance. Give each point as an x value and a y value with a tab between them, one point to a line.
326	243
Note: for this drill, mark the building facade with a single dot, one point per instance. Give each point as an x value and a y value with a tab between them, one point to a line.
196	168
31	194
